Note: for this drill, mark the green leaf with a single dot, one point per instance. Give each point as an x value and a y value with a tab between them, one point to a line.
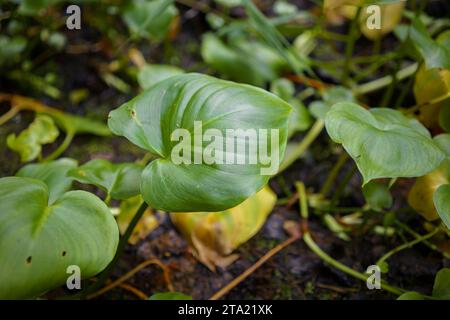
420	196
151	74
331	96
383	142
149	18
260	62
275	39
170	296
443	141
29	142
441	200
53	174
33	7
441	288
436	55
300	119
377	195
39	241
283	88
412	295
10	49
120	181
181	102
79	125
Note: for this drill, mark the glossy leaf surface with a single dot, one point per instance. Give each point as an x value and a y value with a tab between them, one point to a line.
178	103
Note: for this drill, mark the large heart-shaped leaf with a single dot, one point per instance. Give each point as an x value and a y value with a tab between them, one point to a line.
214	235
182	102
383	142
53	174
120	181
39	241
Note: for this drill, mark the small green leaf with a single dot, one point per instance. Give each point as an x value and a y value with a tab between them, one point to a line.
151	74
441	288
33	7
10	49
436	55
383	142
81	125
260	62
29	142
412	295
441	200
384	267
121	181
377	195
331	96
39	241
53	174
149	18
170	296
283	88
300	119
184	102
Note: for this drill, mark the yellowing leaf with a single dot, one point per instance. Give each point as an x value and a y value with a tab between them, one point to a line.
28	143
390	16
146	224
214	235
420	196
430	84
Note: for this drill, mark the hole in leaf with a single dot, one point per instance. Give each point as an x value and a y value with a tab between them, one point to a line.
29	259
64	253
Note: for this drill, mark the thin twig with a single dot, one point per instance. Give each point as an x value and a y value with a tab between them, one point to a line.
219	294
134	290
131	273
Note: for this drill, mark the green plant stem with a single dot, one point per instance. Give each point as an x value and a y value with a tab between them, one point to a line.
336	264
62	147
312	134
407	245
429	244
323	255
303	201
385	81
342	185
352	36
9	114
333	173
120	248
